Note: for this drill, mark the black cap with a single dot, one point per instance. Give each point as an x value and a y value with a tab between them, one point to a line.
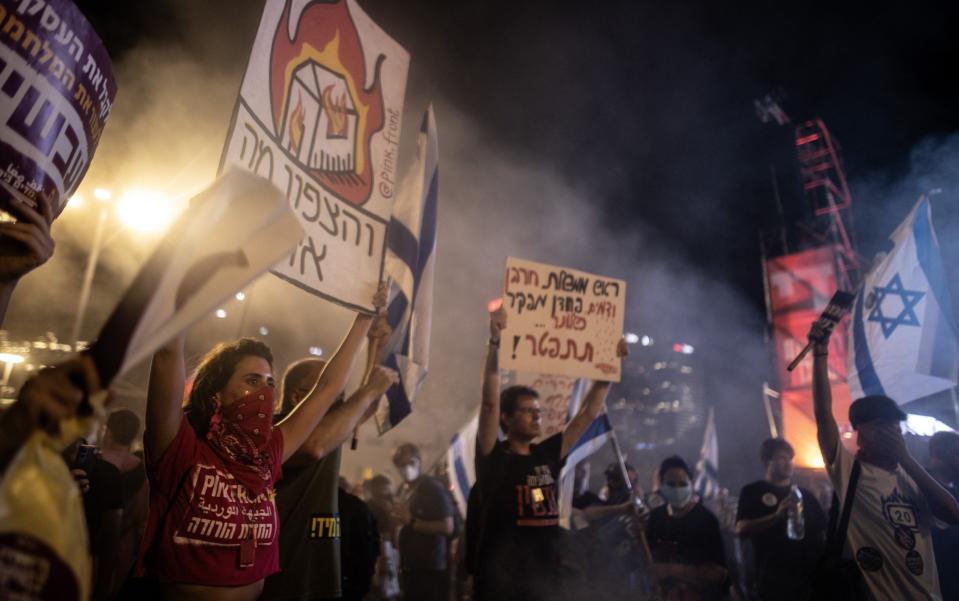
874	406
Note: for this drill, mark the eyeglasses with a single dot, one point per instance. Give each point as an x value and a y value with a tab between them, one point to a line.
531	411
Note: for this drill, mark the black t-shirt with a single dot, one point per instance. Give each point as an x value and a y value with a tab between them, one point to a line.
587	499
519	519
360	544
105	494
781	563
945	542
693	539
306	503
429	501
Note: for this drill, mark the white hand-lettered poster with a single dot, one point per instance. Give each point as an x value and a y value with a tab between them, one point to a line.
562	321
319	114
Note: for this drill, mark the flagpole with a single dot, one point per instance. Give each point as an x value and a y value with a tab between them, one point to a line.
647	553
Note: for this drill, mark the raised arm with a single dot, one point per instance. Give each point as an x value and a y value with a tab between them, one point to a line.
943	505
165	397
489	405
337	426
24	245
45	399
592	407
826	428
304	418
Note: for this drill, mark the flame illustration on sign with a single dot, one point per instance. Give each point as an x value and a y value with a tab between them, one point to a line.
336	111
324	41
297	126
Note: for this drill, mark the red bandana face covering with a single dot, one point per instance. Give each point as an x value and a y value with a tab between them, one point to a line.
240	434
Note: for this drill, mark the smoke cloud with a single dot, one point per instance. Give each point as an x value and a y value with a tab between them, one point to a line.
496	199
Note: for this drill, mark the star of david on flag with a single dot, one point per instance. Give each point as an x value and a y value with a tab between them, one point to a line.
903	335
907	315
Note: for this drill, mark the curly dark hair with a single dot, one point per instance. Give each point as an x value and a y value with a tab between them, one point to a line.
771	446
212	374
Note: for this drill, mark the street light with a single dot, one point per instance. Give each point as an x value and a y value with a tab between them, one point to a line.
145	211
141	210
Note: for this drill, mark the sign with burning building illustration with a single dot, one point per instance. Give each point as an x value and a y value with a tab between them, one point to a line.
319	114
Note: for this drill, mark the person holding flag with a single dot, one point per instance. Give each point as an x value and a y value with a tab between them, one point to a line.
517	546
307	496
892	498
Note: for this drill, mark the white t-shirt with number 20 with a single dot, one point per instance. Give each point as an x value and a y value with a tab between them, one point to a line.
889	531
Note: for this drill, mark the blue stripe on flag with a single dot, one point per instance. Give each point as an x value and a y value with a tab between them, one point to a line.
931	263
402	243
596	429
462	478
399	405
868	378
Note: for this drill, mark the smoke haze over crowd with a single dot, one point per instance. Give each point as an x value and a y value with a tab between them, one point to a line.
633	155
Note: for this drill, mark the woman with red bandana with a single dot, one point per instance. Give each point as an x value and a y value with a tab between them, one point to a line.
212	463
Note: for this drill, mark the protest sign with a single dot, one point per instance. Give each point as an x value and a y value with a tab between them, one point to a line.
562	321
319	114
56	92
232	232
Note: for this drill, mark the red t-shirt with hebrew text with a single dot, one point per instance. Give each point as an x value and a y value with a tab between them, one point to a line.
200	538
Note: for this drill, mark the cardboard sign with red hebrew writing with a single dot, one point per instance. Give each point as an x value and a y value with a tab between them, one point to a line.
561	321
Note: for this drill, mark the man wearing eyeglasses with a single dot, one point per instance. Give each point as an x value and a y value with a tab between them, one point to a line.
517	552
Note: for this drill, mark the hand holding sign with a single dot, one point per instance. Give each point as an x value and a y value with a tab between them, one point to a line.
26	243
823	327
497	323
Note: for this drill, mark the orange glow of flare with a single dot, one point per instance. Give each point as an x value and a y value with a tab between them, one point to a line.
297	119
335	112
494	304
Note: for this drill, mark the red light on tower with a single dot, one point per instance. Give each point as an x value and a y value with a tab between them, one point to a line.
677	348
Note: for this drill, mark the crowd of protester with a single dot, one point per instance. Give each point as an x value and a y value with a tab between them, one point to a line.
237	494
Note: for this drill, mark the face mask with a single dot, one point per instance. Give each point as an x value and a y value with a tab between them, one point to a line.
240	434
676	496
409	473
252	415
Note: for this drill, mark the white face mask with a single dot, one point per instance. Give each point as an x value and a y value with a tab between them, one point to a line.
676	496
409	473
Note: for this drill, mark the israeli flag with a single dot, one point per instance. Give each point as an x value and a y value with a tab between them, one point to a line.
706	483
903	336
593	439
410	260
461	463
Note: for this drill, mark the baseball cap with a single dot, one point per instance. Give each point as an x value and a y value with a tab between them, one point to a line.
874	406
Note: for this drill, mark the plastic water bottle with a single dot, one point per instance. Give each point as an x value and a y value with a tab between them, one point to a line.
796	523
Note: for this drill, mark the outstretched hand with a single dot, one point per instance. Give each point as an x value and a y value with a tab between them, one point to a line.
380	330
381	296
27	243
381	378
56	393
819	336
497	323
